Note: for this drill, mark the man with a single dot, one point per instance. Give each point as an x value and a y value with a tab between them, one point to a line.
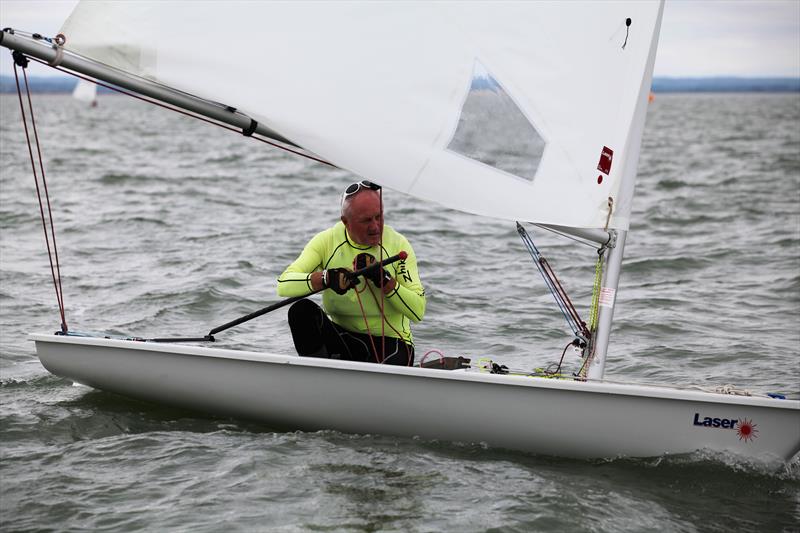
364	319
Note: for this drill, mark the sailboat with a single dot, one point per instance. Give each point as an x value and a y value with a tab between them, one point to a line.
408	95
85	91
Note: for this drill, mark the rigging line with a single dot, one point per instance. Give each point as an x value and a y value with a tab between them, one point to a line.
56	278
383	316
558	294
188	114
46	191
383	299
552	370
562	299
559	300
366	323
580	375
383	321
57	285
563	293
561	361
598	274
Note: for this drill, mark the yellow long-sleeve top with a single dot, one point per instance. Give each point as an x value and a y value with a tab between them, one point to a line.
333	248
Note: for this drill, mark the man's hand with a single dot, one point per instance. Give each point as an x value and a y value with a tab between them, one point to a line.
365	260
337	279
376	275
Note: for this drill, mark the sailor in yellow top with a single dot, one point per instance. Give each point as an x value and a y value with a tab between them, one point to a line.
366	319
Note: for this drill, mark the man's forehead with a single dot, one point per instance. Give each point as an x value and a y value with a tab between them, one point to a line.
366	200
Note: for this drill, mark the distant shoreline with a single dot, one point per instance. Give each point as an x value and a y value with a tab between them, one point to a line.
727	84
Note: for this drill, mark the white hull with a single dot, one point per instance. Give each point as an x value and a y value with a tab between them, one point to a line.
557	417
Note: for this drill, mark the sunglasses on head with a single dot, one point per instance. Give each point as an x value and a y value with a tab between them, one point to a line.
363	184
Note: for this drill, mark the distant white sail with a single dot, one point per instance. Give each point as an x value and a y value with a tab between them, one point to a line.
522	110
85	91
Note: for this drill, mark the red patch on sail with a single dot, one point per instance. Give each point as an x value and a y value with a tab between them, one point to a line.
606	155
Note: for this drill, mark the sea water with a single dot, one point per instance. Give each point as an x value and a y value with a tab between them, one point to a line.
168	226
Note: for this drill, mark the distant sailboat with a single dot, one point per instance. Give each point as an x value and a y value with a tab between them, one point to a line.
85	91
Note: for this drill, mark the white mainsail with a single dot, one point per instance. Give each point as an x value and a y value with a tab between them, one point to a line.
389	90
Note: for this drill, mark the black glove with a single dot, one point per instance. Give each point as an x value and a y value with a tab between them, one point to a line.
375	275
340	280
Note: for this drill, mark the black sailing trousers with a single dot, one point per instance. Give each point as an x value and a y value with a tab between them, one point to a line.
315	335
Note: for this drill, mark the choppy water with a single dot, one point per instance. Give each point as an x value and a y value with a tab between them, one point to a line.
168	226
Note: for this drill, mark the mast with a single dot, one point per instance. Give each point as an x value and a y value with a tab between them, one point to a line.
55	55
608	300
614	241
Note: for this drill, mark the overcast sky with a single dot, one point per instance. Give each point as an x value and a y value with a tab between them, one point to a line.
698	38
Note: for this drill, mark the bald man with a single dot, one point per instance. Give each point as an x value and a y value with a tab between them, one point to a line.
366	320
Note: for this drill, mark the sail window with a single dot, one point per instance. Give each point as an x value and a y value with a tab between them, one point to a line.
494	131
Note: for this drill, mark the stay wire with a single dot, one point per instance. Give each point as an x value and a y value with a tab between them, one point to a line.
52	254
563	301
564	296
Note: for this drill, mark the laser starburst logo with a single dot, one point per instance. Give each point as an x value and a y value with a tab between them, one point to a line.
746	430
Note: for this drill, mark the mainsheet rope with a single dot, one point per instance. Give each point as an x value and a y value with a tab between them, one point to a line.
52	254
380	300
380	287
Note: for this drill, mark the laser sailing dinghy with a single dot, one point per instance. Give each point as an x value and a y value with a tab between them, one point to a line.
408	96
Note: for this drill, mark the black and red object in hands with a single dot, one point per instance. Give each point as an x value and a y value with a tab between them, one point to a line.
366	271
378	276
